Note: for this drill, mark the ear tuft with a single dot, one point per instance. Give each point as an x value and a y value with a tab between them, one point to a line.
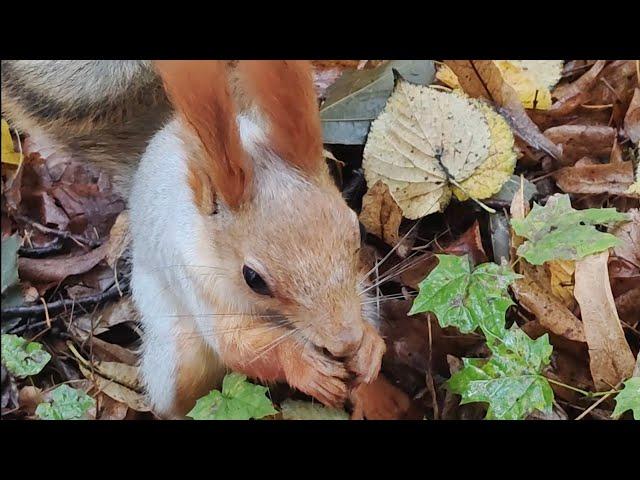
284	92
199	91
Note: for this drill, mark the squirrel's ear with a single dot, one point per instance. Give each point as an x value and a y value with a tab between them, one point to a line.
284	92
199	91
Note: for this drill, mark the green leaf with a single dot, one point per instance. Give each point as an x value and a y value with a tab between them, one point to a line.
23	358
466	299
510	381
298	410
10	246
358	97
66	404
628	399
559	232
239	400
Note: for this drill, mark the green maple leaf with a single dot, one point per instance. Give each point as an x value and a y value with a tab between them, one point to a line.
628	399
66	404
466	299
239	400
23	358
510	381
298	410
559	232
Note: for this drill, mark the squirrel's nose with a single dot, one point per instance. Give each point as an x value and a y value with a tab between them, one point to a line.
346	341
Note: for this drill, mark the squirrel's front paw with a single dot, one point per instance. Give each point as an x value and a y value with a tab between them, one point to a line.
319	376
367	360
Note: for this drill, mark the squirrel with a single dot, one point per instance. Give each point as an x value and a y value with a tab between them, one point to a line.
244	252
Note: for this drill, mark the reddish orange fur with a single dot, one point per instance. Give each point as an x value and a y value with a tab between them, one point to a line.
284	92
199	91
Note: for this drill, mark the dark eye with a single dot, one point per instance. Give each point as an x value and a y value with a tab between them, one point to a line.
255	281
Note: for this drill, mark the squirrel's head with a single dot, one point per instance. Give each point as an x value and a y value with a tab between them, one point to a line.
283	242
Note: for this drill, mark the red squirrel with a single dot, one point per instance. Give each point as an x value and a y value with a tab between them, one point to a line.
244	253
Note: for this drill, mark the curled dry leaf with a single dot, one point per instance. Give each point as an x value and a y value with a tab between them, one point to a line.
550	312
380	214
58	268
578	141
611	359
482	79
134	400
577	93
610	178
469	243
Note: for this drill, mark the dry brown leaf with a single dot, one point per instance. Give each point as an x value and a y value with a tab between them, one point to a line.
550	312
632	118
119	238
469	243
628	306
57	269
380	214
578	141
611	360
120	393
111	352
610	178
615	86
629	235
102	320
482	79
110	409
577	93
420	268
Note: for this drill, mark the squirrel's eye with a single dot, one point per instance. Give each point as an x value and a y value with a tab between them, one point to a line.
255	281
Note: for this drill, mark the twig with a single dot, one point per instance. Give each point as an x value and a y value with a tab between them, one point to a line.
55	307
62	234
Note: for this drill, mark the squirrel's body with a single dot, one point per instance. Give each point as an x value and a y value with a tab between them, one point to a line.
104	111
244	253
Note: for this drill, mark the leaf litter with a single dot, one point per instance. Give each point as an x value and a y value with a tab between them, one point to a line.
527	327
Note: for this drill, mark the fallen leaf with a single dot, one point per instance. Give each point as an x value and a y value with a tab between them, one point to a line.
10	246
629	235
559	232
628	306
610	178
21	357
358	96
66	404
628	399
100	321
577	93
551	313
577	141
380	214
611	360
482	79
134	400
413	148
57	269
616	85
9	155
561	280
110	409
632	118
469	243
